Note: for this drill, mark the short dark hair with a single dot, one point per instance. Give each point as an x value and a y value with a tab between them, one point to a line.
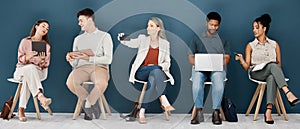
213	16
86	12
265	20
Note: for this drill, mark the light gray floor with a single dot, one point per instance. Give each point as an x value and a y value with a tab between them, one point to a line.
155	121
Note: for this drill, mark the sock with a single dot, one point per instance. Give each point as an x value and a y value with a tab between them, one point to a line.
164	101
87	104
142	112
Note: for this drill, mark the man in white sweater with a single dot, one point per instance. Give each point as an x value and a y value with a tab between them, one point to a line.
90	59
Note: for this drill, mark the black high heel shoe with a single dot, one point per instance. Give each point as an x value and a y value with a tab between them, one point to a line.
270	121
294	102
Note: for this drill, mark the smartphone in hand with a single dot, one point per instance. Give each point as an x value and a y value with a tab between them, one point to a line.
235	53
124	38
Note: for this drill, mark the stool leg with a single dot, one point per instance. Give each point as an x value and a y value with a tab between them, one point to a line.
277	107
49	111
36	105
142	95
281	105
106	105
223	115
79	105
16	98
253	100
102	108
261	94
77	109
193	112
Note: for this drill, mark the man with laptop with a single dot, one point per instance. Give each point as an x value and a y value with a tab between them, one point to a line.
209	55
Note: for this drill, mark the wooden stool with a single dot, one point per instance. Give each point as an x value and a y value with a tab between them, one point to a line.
102	103
221	110
16	98
166	113
259	92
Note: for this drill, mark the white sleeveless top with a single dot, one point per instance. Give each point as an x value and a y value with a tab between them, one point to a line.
263	53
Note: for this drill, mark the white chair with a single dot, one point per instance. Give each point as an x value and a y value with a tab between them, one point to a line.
221	110
102	103
16	98
166	113
259	92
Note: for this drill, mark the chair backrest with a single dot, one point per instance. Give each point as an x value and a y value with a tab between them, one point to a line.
143	82
13	80
88	83
208	82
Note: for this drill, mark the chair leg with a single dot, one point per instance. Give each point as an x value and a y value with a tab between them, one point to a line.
261	94
102	108
193	112
106	105
77	109
253	100
16	98
49	111
277	107
142	95
223	115
281	105
37	109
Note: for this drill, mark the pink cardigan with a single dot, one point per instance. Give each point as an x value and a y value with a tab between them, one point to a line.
24	48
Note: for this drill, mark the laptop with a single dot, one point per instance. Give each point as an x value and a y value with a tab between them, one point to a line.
209	62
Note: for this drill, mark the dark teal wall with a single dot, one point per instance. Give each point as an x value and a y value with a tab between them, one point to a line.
237	16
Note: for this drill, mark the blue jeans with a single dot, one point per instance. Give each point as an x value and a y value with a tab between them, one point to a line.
217	79
155	77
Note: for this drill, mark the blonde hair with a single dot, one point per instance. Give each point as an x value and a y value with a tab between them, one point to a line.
159	24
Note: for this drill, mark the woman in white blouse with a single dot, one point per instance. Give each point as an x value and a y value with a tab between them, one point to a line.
266	51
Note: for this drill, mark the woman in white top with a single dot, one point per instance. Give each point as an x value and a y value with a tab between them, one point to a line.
264	50
151	64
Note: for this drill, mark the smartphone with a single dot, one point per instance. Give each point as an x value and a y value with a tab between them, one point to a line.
235	53
124	38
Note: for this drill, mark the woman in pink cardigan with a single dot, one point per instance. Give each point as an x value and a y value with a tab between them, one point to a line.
32	67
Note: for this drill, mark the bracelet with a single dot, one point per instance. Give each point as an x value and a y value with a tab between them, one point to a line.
243	63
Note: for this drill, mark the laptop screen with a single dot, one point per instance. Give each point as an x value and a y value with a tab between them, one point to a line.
209	62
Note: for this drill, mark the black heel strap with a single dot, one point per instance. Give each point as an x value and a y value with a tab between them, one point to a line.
270	109
287	92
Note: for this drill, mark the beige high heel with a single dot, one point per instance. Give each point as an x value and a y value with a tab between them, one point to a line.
167	111
45	102
168	108
142	120
21	114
